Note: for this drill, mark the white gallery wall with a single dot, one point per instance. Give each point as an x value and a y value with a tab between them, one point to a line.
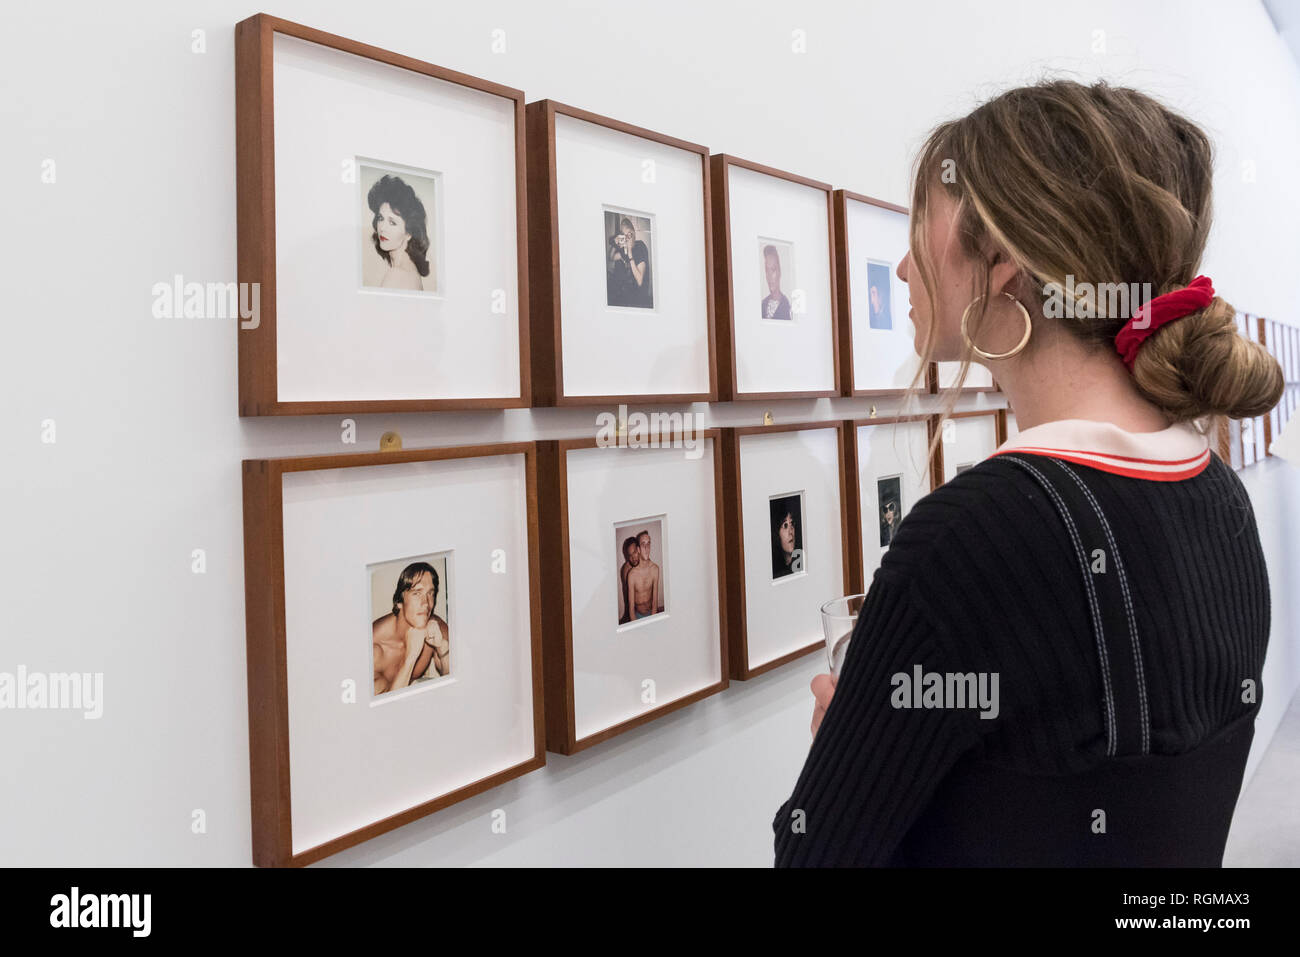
119	173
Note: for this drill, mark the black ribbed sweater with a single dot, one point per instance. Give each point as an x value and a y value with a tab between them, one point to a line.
982	577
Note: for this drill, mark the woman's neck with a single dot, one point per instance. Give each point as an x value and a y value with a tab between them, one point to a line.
1063	378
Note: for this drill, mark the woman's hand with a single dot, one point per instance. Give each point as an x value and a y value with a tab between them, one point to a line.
823	686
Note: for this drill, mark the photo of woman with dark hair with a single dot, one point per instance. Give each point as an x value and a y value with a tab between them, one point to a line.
889	495
787	535
397	229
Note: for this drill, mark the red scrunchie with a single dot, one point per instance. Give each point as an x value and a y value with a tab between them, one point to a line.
1172	305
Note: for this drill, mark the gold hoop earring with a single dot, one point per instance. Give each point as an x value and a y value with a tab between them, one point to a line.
990	356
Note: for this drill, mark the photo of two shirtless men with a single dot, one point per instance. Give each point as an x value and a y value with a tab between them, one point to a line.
641	571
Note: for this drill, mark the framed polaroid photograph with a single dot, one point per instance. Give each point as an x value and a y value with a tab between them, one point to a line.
775	263
1265	430
399	219
1271	336
642	581
629	260
889	498
393	668
410	598
633	567
889	474
382	230
1230	444
880	313
1249	432
787	535
621	254
878	354
968	438
1252	441
776	305
788	539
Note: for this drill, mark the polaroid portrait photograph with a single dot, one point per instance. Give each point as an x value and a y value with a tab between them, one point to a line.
889	493
776	271
787	535
629	266
410	631
878	274
639	557
399	216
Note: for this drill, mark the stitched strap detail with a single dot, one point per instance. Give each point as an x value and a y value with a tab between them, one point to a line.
1122	576
1089	588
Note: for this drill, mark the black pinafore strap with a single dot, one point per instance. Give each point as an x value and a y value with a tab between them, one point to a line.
1126	711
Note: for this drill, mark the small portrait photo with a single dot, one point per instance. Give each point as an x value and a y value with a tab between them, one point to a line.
776	272
410	601
889	498
878	276
787	534
963	468
640	559
629	259
399	213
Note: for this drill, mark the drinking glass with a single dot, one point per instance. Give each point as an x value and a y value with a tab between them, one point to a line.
839	616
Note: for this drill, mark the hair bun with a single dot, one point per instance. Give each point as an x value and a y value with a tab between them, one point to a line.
1201	365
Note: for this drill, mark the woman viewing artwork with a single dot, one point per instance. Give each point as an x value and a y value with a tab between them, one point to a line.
1058	661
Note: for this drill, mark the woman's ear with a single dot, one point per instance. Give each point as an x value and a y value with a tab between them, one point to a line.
1002	274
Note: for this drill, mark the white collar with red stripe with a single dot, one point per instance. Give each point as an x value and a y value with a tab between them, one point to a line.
1170	455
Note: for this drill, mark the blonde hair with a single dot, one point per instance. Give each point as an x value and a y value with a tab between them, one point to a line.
1105	185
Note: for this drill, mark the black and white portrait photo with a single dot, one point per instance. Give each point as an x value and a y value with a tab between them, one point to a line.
889	498
410	632
776	262
786	515
629	271
399	210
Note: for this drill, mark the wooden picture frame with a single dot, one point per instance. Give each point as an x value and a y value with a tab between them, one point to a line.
267	649
562	734
843	292
940	462
728	387
1261	330
735	591
544	257
259	377
858	582
965	389
1223	440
